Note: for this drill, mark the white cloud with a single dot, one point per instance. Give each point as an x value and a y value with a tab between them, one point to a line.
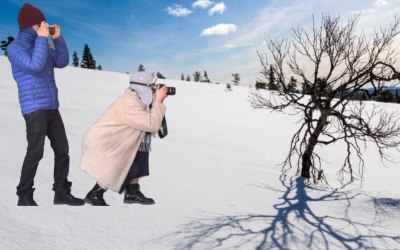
203	4
381	2
178	11
220	29
219	7
232	46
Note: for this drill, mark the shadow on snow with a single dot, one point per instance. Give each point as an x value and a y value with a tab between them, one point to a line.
295	225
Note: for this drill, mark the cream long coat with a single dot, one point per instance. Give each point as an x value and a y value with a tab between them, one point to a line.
111	143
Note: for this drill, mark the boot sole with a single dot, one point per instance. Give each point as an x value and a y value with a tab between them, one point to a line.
141	203
88	201
59	203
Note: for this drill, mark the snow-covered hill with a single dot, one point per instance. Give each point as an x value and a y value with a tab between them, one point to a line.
215	179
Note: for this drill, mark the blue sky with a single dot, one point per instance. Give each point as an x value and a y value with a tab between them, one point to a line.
184	36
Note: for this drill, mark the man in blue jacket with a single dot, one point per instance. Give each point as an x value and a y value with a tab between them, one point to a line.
33	63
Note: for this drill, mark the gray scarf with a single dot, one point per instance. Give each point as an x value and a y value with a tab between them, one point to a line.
146	96
145	145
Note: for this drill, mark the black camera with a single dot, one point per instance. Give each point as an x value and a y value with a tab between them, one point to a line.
52	30
170	90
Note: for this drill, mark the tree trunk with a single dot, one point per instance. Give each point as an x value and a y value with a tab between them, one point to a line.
312	141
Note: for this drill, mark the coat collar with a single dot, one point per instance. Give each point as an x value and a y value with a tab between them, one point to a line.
27	35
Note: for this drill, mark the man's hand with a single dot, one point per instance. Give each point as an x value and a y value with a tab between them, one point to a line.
43	29
161	93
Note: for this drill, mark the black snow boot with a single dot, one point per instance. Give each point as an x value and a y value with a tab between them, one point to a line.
133	195
26	199
95	196
64	197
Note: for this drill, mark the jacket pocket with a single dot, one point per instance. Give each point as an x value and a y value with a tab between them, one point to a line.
41	91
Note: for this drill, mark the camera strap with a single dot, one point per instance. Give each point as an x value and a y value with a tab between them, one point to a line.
163	132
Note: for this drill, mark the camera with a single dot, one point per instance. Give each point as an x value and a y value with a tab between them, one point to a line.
170	90
52	30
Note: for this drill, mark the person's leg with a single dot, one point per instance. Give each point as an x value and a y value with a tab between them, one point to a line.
95	196
59	143
36	126
141	168
135	181
136	170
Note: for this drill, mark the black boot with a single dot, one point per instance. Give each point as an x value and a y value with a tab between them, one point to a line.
64	197
26	199
133	195
95	196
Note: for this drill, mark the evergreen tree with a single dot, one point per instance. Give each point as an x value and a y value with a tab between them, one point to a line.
291	87
228	87
5	43
272	85
206	77
236	78
141	68
385	96
188	78
197	76
182	77
397	96
261	85
75	59
92	64
159	75
87	59
99	67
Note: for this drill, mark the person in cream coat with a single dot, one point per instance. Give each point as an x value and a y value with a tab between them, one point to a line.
115	149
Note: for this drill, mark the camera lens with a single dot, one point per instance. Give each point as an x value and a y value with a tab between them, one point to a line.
52	30
171	91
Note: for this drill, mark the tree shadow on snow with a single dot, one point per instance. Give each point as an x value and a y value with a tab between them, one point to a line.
294	226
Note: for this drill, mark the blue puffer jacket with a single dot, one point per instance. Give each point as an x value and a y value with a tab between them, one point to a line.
33	63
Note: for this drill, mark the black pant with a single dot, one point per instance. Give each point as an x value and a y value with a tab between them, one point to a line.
40	124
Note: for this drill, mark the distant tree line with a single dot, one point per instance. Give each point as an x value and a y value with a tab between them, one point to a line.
197	77
141	68
391	94
273	83
87	61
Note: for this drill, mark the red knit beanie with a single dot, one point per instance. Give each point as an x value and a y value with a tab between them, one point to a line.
28	16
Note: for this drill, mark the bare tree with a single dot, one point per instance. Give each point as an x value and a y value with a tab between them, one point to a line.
331	63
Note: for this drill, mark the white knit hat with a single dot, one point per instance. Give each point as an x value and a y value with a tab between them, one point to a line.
140	82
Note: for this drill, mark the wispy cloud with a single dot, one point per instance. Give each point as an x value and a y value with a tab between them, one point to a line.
178	11
203	4
220	29
381	2
6	31
218	8
363	11
267	19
